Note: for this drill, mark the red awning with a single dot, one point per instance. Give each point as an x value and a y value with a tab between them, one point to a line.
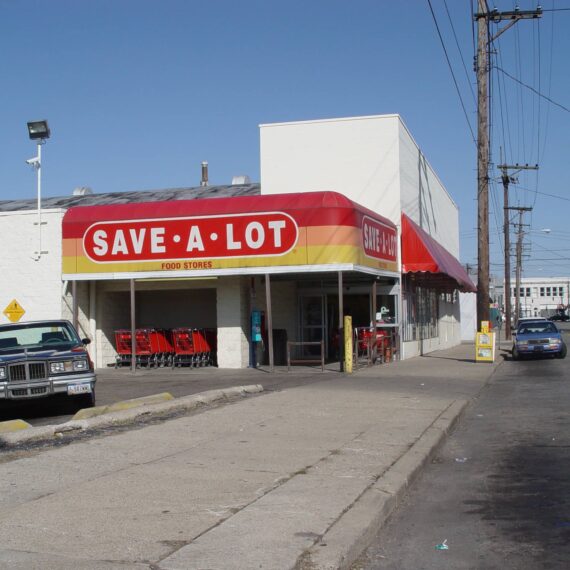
421	253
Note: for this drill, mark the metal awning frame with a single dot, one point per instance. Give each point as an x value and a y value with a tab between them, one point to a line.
233	272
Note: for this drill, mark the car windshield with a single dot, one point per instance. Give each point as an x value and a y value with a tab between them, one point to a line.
48	334
537	327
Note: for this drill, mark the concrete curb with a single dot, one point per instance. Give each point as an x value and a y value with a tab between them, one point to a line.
13	425
47	434
355	530
87	413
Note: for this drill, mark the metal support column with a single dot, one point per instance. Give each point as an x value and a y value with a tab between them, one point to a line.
133	329
93	320
340	323
374	354
75	307
269	322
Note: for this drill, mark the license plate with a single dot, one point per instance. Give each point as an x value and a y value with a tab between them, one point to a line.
74	389
538	348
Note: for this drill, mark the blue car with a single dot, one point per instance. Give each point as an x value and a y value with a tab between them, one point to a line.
538	337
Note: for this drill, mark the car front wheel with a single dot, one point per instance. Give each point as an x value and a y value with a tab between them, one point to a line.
515	353
562	353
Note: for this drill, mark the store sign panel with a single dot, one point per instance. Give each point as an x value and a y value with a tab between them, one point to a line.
378	240
212	237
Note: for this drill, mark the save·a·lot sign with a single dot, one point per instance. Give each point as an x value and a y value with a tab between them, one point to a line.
14	311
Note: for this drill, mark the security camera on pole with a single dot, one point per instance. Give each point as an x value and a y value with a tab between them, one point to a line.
38	131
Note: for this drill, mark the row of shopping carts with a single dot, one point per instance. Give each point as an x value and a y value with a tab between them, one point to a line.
166	347
371	346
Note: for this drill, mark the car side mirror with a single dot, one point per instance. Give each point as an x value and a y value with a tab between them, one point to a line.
86	341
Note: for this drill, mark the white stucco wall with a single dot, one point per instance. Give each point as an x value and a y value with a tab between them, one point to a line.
371	160
423	197
357	157
34	283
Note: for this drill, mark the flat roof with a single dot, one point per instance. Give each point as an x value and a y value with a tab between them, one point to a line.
133	197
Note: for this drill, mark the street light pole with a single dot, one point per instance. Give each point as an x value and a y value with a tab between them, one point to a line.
39	173
38	131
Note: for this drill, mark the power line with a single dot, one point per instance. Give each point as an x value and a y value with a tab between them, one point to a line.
543	193
520	98
551	61
451	69
459	50
534	90
558	257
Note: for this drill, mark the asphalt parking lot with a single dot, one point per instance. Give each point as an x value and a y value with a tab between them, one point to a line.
115	385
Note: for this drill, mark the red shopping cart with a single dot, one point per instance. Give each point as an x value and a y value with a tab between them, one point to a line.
167	346
161	346
200	347
146	347
123	347
144	354
183	347
211	337
370	344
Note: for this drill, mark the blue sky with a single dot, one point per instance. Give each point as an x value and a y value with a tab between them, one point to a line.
139	92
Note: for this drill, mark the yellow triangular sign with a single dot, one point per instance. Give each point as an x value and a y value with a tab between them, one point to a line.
14	311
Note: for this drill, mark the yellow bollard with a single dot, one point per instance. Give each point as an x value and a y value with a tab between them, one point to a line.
348	345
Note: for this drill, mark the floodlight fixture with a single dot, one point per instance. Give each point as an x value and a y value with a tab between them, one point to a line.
38	130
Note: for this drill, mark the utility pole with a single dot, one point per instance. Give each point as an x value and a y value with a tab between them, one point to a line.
504	168
520	235
482	69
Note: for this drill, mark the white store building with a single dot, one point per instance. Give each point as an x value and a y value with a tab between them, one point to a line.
327	187
542	296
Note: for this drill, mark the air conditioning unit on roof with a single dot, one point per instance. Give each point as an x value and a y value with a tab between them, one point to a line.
240	180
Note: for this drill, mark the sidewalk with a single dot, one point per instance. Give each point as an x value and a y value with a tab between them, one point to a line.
298	478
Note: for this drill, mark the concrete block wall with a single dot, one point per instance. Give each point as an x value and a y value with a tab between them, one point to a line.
113	312
83	309
233	310
34	283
